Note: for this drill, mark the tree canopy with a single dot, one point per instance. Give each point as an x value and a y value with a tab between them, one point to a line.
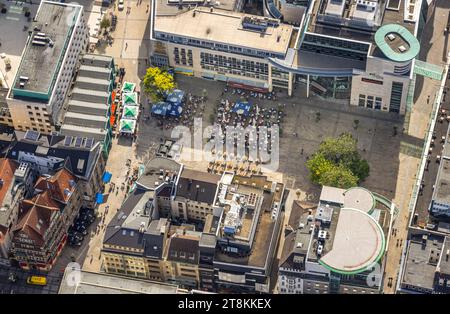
105	23
157	82
338	163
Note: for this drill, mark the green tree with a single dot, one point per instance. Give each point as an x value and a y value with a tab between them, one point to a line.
318	165
157	82
105	23
325	172
360	168
340	177
340	149
338	163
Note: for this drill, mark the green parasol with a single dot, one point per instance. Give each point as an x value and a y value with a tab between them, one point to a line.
130	112
128	87
127	125
130	99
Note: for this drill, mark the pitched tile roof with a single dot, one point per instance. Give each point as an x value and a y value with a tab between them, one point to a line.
34	216
61	185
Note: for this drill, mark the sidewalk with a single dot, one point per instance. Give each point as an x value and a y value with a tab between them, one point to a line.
433	39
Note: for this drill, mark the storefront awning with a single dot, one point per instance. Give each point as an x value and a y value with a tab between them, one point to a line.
99	198
107	177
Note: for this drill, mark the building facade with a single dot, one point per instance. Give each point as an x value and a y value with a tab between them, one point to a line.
229	248
47	154
44	219
337	48
89	108
194	195
15	183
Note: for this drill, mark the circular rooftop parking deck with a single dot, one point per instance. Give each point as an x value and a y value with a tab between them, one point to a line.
358	243
359	198
397	43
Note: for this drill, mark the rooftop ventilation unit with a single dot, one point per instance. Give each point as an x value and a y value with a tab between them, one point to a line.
391	37
41	38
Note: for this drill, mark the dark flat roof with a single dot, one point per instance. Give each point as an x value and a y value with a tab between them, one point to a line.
197	185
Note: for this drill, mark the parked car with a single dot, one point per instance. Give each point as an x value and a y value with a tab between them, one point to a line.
121	5
75	243
81	229
76	236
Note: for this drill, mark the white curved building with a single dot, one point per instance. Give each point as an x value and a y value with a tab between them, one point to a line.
338	247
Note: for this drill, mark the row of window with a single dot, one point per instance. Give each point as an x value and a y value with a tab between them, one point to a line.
216	46
233	63
180	57
370	102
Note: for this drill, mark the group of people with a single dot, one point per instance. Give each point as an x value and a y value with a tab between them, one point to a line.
193	107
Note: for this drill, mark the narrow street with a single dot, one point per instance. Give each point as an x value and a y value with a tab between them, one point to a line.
433	44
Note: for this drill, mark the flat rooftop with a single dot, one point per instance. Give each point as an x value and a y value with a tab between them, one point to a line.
101	283
441	192
420	262
444	262
13	40
223	26
350	225
256	225
358	243
41	62
260	249
359	198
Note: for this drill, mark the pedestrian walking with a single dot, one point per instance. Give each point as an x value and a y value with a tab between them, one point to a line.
301	152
